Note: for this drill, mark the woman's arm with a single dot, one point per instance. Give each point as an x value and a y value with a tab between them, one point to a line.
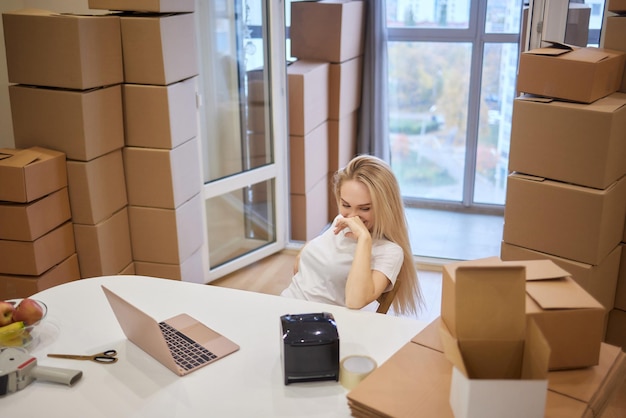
364	285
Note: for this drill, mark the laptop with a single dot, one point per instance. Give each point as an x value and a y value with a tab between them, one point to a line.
181	343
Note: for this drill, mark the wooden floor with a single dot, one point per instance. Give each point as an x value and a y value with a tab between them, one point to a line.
273	274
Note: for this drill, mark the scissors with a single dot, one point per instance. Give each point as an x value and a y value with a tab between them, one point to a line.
106	357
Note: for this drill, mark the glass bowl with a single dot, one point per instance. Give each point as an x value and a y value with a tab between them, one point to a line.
10	336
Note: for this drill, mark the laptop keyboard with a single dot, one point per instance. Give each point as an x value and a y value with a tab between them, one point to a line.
187	353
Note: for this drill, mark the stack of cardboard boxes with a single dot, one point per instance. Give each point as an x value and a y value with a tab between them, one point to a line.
615	38
324	95
116	93
68	97
161	153
566	194
37	248
515	339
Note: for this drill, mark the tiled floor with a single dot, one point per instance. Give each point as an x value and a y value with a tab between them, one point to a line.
456	236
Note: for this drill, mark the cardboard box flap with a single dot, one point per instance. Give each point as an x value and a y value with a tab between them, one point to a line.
590	55
567	186
529	177
536	353
527	97
562	293
493	359
18	158
483	359
49	13
496	297
535	269
451	348
32	12
552	49
543	270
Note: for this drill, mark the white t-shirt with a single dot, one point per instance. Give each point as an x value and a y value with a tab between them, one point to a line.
325	263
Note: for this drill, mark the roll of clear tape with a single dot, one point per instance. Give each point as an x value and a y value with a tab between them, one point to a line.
353	369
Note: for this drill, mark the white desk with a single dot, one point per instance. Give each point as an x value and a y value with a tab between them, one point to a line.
248	383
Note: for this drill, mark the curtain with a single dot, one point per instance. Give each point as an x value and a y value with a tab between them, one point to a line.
372	137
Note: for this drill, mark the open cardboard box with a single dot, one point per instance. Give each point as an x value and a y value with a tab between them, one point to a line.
500	359
522	396
570	73
571	320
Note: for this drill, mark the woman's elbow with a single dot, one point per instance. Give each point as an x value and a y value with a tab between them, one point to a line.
356	303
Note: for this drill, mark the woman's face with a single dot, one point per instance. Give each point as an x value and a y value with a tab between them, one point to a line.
355	200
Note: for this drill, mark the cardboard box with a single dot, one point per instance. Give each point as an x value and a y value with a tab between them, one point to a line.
256	85
616	6
569	73
160	116
342	137
97	188
596	386
167	236
33	258
175	175
496	312
615	38
159	49
415	381
29	221
494	398
573	222
50	49
308	218
328	30
571	320
345	83
615	333
570	142
308	159
160	6
520	392
308	95
333	207
190	270
620	286
258	149
598	280
29	174
104	249
576	26
128	270
12	287
82	124
256	118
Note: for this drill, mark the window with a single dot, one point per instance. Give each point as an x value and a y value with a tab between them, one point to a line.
452	67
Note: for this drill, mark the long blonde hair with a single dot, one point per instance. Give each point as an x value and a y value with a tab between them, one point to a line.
389	221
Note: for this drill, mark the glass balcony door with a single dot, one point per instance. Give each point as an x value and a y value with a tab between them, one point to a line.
243	126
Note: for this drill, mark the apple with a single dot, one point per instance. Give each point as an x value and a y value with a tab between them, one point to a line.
28	311
6	313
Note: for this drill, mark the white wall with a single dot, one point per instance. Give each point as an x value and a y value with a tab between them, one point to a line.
63	6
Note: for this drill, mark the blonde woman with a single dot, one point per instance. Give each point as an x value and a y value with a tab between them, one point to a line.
366	251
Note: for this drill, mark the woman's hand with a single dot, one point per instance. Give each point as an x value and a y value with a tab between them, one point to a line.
356	227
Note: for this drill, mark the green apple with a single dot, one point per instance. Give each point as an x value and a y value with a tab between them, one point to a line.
6	313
